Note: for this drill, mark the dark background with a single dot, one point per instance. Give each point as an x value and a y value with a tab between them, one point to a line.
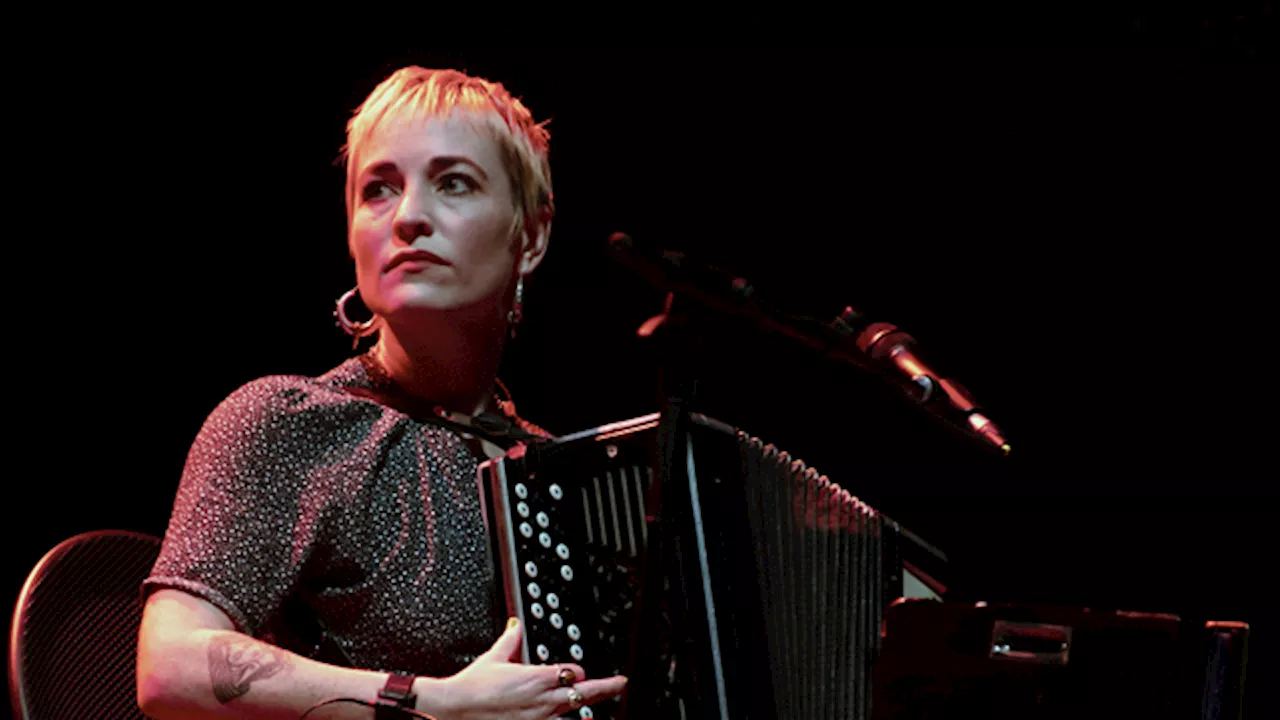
1068	215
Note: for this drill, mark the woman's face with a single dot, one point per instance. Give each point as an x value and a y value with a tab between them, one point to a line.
431	227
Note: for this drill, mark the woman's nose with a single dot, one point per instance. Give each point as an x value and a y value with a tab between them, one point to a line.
413	217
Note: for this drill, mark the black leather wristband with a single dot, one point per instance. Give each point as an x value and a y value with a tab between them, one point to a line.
395	696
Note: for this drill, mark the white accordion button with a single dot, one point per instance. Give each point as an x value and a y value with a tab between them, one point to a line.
574	633
557	622
543	653
585	713
536	610
556	492
535	592
575	651
522	507
531	569
545	539
563	551
526	529
543	520
566	572
522	492
553	600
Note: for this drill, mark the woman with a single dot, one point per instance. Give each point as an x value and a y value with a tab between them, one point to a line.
337	518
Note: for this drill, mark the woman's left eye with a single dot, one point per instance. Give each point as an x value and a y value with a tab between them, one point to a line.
457	184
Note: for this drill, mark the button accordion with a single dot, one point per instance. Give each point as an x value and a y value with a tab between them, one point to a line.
791	573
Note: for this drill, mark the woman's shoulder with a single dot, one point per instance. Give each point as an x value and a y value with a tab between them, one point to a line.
273	399
277	426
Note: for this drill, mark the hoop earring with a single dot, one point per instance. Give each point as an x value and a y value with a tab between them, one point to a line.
516	314
356	330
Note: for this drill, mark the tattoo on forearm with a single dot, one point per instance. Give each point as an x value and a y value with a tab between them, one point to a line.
236	662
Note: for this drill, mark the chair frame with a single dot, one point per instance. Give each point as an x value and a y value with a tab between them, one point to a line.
17	677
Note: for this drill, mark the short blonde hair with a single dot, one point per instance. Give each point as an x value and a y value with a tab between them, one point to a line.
422	93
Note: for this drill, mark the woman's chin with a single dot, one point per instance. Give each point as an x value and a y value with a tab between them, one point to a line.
421	297
426	302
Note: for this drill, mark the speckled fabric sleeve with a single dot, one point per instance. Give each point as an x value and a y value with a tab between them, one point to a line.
305	499
243	523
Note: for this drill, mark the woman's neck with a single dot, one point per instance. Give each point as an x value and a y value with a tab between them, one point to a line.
446	366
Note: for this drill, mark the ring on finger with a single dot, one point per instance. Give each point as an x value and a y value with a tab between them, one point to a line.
566	677
575	699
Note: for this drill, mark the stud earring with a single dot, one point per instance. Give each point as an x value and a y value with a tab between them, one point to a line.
516	314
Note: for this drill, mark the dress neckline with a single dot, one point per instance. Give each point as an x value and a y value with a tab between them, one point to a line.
503	428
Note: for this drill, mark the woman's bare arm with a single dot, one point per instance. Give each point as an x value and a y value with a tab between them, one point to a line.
193	664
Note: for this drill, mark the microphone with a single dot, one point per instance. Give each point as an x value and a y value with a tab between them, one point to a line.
893	349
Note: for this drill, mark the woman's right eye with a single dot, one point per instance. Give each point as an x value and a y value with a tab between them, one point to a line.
376	190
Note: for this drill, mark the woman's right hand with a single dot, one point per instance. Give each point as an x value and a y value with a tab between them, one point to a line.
498	685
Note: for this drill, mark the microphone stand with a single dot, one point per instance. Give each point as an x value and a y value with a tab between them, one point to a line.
674	607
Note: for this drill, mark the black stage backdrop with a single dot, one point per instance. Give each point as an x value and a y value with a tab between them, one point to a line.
1074	230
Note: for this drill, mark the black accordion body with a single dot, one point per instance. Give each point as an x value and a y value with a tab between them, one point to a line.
781	614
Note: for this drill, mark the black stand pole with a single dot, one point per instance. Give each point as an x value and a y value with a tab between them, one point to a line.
670	667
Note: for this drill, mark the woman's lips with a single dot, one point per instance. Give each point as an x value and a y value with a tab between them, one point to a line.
415	260
413	265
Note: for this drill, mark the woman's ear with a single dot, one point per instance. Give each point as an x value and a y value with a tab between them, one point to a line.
536	237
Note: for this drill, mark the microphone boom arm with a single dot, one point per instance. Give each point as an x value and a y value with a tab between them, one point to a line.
878	348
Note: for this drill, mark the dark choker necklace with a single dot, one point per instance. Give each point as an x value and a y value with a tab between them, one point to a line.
501	427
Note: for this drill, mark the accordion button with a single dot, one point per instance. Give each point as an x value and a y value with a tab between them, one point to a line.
522	507
522	492
574	633
531	569
585	714
563	551
545	539
555	491
553	600
536	610
526	529
543	520
557	622
543	653
566	572
575	651
535	592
